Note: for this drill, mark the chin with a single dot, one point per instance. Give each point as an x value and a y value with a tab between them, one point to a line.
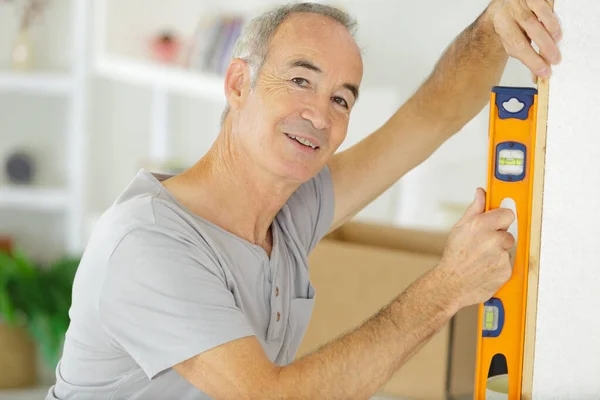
298	172
292	163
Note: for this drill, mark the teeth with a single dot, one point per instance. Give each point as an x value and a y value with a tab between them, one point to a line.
304	141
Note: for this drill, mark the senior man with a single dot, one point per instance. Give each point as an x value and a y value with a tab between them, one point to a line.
196	286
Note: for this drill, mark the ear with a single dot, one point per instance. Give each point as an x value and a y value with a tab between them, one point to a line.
237	82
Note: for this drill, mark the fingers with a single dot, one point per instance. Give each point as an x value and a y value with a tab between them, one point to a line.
505	260
538	33
543	11
506	240
517	45
477	206
534	77
498	219
521	22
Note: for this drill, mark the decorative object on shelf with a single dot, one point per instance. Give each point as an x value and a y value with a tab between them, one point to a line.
212	43
20	168
166	47
35	301
22	57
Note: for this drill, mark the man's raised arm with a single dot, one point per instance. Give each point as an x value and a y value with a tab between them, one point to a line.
454	93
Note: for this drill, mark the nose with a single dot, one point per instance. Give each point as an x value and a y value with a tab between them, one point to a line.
317	110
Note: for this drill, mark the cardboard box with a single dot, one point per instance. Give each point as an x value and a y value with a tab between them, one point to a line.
360	268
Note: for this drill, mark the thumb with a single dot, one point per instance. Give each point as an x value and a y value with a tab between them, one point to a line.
477	206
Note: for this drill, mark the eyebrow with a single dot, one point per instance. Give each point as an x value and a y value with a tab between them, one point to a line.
302	63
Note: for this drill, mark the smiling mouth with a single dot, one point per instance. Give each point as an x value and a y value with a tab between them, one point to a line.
303	141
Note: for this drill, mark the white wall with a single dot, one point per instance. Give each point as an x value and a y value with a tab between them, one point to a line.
566	361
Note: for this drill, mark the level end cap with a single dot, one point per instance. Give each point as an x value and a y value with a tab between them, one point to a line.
515	90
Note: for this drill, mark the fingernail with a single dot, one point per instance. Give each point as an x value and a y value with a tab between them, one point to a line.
544	72
555	59
557	36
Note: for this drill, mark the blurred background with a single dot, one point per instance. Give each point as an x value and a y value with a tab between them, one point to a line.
93	90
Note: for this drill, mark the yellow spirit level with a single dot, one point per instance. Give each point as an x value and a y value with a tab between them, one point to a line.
512	129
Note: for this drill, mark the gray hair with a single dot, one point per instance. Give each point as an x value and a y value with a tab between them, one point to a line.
253	44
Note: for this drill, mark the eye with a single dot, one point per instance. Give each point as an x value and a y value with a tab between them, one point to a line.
300	82
341	101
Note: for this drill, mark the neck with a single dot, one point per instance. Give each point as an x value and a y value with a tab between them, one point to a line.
226	188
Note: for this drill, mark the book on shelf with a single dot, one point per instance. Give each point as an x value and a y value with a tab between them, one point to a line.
213	41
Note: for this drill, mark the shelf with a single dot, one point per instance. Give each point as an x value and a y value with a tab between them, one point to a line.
170	78
31	198
35	82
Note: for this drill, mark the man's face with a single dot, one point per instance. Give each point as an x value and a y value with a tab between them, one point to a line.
297	115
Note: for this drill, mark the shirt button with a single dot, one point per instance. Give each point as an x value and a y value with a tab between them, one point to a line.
277	291
278	316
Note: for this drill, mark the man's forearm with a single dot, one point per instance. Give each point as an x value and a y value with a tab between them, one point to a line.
456	90
459	86
358	363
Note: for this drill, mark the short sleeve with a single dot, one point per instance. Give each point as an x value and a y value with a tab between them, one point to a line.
312	207
164	300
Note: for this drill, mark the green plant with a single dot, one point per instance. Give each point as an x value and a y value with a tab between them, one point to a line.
38	296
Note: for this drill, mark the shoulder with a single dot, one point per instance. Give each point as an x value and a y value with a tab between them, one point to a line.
144	219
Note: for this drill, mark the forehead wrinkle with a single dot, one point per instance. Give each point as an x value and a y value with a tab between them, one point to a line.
299	37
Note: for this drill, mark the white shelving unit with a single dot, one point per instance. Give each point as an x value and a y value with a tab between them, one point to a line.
164	81
36	83
93	32
170	78
69	86
39	199
91	59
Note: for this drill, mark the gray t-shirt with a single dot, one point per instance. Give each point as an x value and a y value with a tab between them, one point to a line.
158	285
